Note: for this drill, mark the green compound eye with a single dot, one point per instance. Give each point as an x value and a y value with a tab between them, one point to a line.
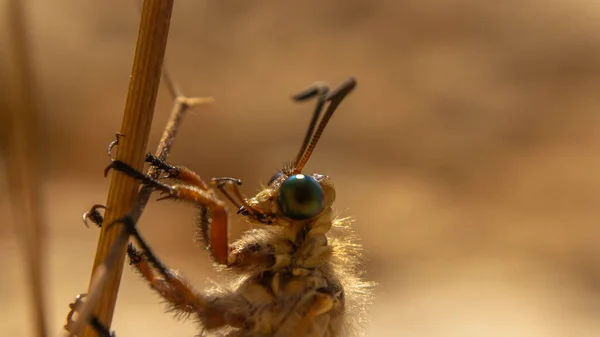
301	197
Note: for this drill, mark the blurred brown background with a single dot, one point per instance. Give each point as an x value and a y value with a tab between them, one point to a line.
468	154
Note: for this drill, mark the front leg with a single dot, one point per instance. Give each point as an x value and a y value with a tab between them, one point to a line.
252	252
242	254
179	173
94	216
176	290
243	206
204	199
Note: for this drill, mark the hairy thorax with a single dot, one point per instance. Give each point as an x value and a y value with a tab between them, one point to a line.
298	276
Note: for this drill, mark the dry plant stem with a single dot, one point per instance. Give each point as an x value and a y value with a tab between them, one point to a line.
97	283
23	181
180	107
137	120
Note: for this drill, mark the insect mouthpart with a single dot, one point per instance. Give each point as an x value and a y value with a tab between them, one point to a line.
243	211
258	216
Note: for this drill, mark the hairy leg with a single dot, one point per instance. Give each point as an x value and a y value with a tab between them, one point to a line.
179	173
195	195
174	288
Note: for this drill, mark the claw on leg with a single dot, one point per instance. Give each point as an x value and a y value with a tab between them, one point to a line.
180	173
114	143
173	287
130	171
159	163
221	182
242	205
74	306
94	322
94	216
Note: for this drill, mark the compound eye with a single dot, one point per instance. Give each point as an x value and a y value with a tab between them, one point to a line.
301	197
274	177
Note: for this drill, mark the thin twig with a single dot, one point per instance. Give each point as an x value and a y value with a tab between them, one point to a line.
137	120
24	178
97	285
172	87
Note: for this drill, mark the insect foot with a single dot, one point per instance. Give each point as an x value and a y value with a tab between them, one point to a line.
170	171
94	216
145	179
77	305
114	143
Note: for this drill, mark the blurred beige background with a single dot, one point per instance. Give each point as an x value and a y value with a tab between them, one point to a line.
468	154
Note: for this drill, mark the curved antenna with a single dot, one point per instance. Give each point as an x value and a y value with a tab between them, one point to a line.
321	90
334	98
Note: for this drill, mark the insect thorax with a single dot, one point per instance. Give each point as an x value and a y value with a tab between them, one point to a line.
300	272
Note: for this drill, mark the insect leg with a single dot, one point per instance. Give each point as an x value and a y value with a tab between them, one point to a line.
221	182
114	143
179	304
243	206
255	254
180	173
94	216
175	172
174	288
93	321
202	198
249	251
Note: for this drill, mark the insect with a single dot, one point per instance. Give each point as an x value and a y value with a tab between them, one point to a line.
296	273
